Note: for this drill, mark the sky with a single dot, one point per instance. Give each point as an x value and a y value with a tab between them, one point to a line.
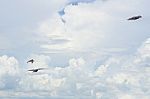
88	48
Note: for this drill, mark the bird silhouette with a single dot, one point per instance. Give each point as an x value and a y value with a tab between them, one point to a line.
31	61
36	70
135	17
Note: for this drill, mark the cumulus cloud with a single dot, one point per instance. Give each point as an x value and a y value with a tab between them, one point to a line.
9	72
118	76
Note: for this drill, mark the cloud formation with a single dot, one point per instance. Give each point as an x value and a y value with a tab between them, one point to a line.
95	32
121	77
9	72
99	27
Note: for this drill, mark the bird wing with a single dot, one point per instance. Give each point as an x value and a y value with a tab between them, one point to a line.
29	61
31	70
41	68
131	18
36	69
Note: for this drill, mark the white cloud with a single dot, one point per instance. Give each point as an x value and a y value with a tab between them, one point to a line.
101	70
89	27
118	76
9	72
99	27
144	52
123	78
127	97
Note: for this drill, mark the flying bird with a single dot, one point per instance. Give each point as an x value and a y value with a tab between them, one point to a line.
36	70
135	17
31	61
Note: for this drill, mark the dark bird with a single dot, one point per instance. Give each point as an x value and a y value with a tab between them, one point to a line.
36	70
31	61
135	17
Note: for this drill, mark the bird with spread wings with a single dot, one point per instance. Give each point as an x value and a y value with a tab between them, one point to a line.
135	17
36	70
30	61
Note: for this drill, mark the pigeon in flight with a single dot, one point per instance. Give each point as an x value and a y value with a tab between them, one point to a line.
31	61
36	70
135	17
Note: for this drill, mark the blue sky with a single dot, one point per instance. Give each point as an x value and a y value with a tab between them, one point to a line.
88	47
